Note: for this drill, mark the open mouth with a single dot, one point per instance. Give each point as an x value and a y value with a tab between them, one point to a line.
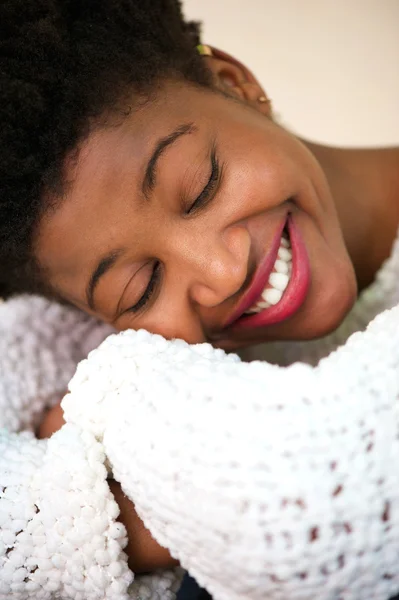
281	283
278	280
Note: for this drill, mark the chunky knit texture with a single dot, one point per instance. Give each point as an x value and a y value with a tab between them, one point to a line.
265	482
51	545
40	345
59	536
58	524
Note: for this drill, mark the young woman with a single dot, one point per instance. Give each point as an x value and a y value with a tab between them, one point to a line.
144	181
150	184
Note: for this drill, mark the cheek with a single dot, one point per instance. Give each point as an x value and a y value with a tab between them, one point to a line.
260	179
296	173
274	157
273	167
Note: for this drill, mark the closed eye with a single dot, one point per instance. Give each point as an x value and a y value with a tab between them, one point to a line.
200	202
208	192
149	292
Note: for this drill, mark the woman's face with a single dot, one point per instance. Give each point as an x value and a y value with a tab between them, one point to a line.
173	221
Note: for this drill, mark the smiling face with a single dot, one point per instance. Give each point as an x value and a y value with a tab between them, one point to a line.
173	222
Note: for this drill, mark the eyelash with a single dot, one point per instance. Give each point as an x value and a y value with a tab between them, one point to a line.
208	191
151	287
200	202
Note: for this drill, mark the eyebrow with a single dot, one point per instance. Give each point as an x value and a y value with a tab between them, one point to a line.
103	266
148	184
150	176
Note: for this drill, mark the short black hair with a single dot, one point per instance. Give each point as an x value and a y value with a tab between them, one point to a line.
63	65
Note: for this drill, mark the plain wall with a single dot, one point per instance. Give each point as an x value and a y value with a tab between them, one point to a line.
331	67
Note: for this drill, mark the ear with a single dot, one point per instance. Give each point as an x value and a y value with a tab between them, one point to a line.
233	78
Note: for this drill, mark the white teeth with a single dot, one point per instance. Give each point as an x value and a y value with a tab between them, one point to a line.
284	254
263	304
281	266
272	296
279	281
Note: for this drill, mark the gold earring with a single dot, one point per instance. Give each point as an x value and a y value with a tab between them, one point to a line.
204	50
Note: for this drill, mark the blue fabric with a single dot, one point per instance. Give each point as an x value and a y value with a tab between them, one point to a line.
190	590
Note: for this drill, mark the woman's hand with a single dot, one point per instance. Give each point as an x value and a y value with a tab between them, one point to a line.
144	553
52	422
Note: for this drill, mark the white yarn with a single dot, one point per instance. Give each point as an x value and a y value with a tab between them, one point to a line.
40	345
50	542
265	482
58	532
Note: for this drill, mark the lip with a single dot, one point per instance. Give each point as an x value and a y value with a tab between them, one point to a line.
293	297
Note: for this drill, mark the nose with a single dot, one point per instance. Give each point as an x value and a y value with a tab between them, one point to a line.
217	269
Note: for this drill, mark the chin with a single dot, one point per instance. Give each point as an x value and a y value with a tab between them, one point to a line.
325	322
332	304
322	313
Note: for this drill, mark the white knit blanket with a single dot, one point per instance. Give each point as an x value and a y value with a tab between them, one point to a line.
265	482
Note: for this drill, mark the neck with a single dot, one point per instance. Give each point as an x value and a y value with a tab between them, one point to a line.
365	188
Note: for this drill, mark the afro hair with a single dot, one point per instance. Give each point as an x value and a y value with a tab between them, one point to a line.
64	64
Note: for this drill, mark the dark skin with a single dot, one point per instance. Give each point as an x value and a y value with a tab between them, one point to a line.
206	258
345	202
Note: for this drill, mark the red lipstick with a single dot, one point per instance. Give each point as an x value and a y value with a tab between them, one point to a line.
293	297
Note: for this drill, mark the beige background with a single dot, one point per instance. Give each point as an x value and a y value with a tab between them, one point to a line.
331	67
